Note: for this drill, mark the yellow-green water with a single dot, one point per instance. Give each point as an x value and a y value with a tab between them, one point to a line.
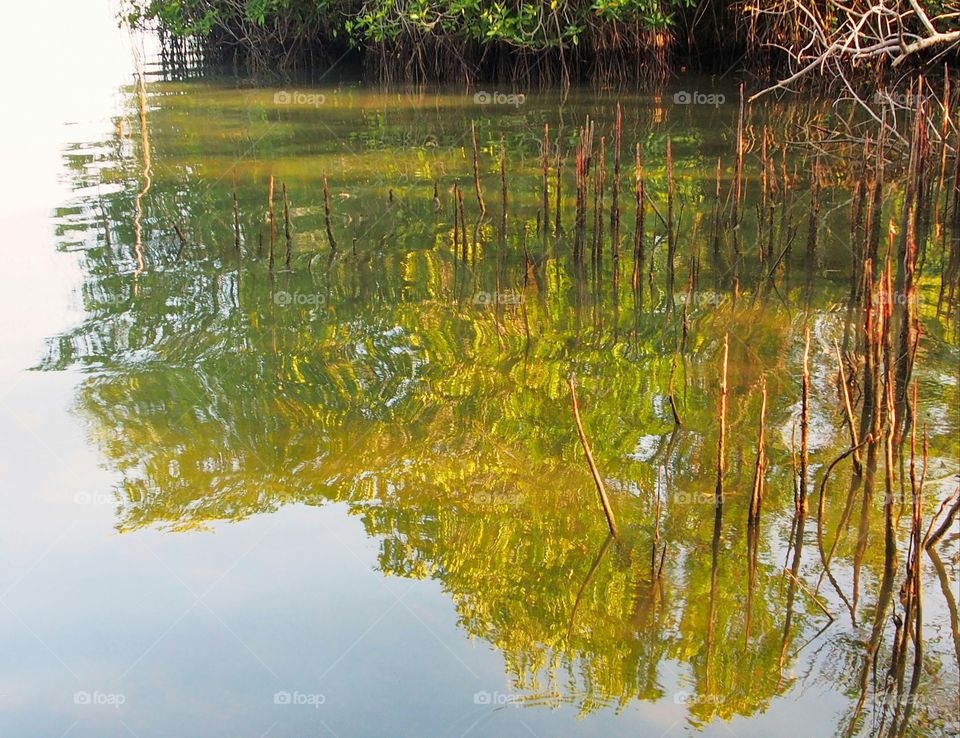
355	485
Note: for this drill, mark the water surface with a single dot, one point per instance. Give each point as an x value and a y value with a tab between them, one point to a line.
347	497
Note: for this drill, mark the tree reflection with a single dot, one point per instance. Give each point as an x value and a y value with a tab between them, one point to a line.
378	380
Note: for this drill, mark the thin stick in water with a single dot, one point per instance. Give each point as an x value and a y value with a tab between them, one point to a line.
286	226
270	215
545	177
804	426
326	213
759	470
721	443
476	169
597	480
236	217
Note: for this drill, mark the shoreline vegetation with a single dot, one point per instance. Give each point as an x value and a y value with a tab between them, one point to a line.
785	44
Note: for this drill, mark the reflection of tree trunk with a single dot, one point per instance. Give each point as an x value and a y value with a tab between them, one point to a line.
714	567
647	601
671	230
890	533
616	311
721	441
792	589
841	527
586	581
873	645
753	520
759	467
636	281
753	540
863	529
904	317
821	508
804	425
949	597
912	592
889	569
946	525
147	181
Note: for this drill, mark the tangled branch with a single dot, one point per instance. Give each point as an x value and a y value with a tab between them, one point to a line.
839	38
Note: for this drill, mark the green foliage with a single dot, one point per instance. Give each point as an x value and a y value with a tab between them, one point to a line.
180	17
527	26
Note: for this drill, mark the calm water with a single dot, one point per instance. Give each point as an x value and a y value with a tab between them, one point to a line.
347	497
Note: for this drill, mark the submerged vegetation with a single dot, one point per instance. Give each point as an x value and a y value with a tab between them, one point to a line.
561	41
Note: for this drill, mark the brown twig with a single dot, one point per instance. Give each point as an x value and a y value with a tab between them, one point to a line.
326	213
721	442
597	480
